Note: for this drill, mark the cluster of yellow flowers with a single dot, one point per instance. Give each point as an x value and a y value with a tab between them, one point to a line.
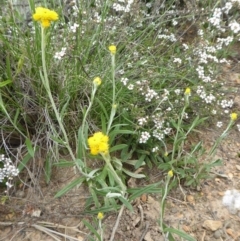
98	143
45	16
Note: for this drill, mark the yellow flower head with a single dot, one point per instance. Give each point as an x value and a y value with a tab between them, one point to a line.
170	173
97	81
100	216
187	91
112	49
234	116
45	16
98	143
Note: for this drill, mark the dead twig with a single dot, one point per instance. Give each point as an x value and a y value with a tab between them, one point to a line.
144	231
45	227
141	214
117	223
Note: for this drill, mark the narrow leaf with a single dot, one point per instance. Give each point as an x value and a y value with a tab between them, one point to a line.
48	170
64	164
180	233
132	174
92	229
4	83
29	147
70	186
16	116
126	203
24	162
118	147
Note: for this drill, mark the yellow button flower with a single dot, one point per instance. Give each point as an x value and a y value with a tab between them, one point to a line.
100	216
170	173
234	116
97	81
187	91
45	16
98	143
112	49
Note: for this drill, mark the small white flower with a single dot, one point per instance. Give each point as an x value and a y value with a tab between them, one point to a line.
177	60
59	55
142	121
144	137
234	26
155	149
74	27
130	87
124	81
177	91
219	124
214	112
238	126
174	22
185	46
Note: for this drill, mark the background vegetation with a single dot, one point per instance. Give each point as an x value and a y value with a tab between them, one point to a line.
165	75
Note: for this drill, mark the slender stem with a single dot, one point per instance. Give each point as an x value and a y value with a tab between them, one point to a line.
178	129
47	87
114	106
86	113
220	138
113	78
162	203
101	230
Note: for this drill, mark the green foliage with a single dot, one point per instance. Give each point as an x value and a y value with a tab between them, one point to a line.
49	101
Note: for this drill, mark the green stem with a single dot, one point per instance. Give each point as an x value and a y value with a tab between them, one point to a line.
220	138
47	87
113	110
178	127
101	229
86	113
162	204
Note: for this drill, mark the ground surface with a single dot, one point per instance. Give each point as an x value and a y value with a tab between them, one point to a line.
194	211
186	209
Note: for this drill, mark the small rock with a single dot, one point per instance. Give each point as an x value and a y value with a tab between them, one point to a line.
218	234
230	232
190	198
186	228
230	175
148	237
218	180
212	225
238	167
221	193
80	238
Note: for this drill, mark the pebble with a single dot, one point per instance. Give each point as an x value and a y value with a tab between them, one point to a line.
212	225
217	234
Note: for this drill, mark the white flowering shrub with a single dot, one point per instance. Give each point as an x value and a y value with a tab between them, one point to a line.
7	171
